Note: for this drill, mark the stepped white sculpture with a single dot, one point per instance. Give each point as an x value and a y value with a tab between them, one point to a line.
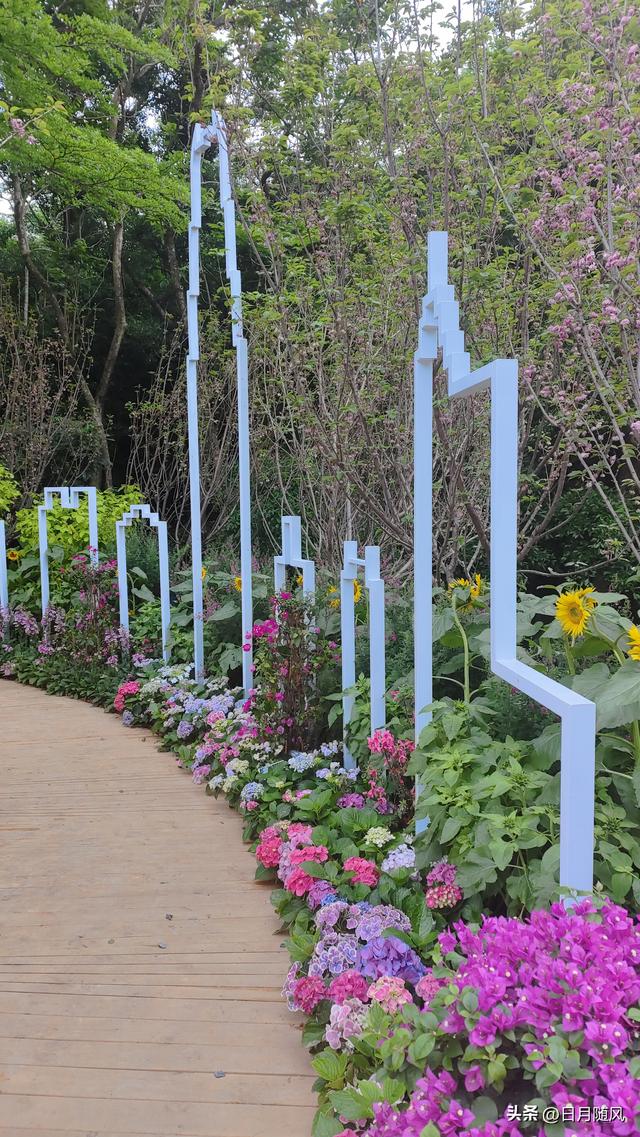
440	329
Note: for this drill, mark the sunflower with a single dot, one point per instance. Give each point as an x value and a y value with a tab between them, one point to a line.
204	572
332	592
237	583
13	555
573	610
357	591
475	587
633	650
299	580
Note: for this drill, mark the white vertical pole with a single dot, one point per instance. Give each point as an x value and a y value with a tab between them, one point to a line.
4	582
377	670
44	558
123	583
423	500
200	142
348	642
242	372
165	603
92	501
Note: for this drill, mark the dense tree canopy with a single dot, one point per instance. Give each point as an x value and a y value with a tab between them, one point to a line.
352	135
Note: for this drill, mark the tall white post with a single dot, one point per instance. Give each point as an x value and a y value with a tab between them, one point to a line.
423	501
348	641
201	140
4	583
242	373
377	670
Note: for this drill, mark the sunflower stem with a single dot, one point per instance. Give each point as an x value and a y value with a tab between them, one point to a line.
569	654
465	648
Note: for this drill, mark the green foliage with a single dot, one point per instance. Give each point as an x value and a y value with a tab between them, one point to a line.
69	528
9	490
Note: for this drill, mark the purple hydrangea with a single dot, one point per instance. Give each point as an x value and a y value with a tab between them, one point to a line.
127	718
185	728
402	857
387	955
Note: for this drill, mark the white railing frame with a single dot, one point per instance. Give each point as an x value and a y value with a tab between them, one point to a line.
377	663
440	329
134	513
69	499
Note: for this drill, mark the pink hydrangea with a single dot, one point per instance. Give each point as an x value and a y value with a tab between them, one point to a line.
316	853
364	871
390	992
307	993
349	985
346	1021
300	833
299	882
427	986
131	687
269	849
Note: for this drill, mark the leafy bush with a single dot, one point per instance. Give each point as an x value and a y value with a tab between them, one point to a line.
69	528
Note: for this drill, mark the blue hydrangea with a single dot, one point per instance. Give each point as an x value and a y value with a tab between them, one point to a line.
329	748
299	761
252	791
193	705
127	718
325	772
402	857
185	728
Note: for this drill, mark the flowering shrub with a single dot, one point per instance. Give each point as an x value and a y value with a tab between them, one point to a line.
290	654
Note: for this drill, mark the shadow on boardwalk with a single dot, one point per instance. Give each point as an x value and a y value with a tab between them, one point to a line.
138	956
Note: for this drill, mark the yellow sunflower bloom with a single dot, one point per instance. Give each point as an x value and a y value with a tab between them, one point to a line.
204	572
475	586
332	592
573	610
461	582
357	591
633	650
13	555
237	583
299	580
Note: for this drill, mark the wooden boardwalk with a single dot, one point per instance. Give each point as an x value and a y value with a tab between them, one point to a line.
140	969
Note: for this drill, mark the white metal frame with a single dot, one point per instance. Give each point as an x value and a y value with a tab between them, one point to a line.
132	514
291	557
440	328
377	665
69	499
203	138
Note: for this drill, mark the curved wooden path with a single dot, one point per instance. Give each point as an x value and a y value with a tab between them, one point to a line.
140	969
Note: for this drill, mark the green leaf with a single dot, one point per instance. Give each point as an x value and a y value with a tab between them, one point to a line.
618	702
226	611
324	1125
420	1048
330	1065
451	827
350	1104
312	868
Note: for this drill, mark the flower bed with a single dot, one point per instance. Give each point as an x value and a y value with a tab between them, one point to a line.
419	1023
